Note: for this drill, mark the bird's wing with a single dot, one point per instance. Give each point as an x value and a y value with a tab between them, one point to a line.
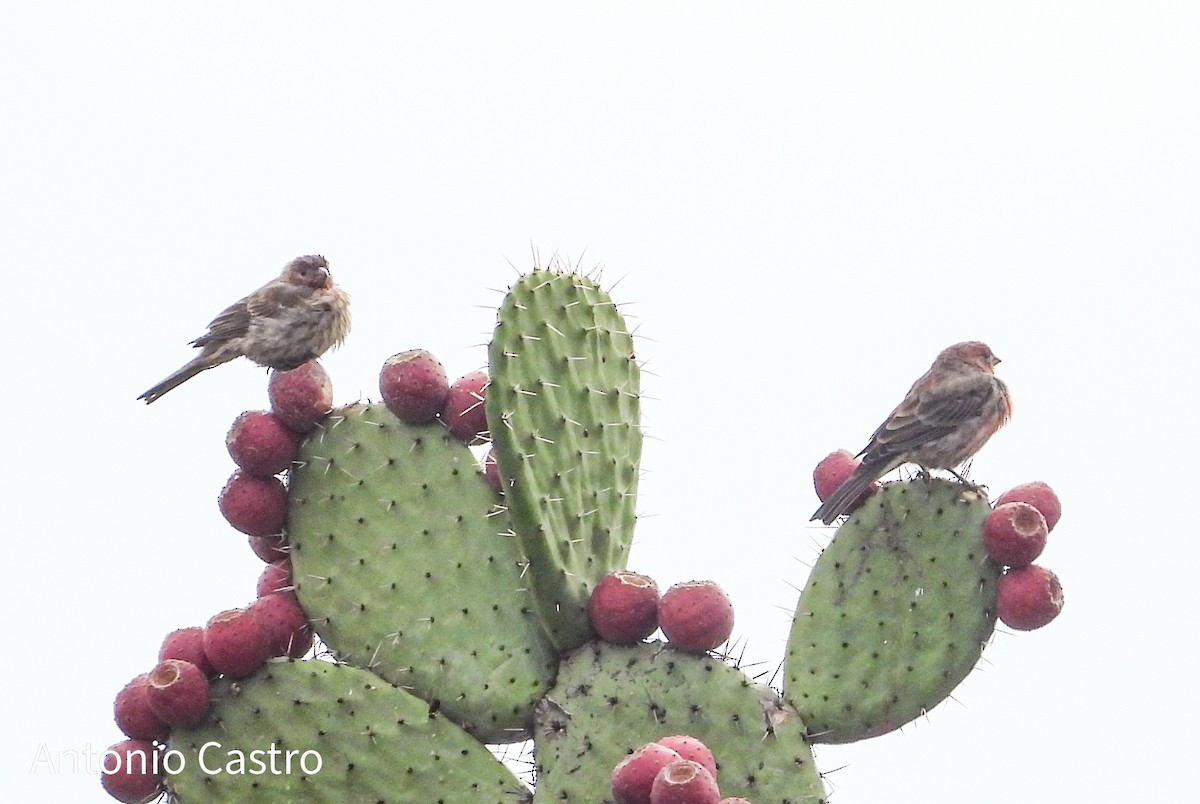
233	322
269	301
272	299
929	415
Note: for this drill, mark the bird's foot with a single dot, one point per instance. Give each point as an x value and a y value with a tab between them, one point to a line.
971	485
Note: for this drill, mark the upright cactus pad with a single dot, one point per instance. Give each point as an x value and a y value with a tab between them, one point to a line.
365	740
400	560
563	409
895	612
610	699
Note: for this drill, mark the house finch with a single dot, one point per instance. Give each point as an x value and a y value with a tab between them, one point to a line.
946	417
292	319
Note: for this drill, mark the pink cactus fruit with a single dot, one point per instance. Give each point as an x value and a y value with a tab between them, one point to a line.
301	397
413	385
834	470
693	749
1028	597
269	548
276	578
633	777
261	444
179	692
695	616
1014	534
287	629
684	782
131	772
236	642
133	714
465	413
186	644
1040	496
623	608
257	506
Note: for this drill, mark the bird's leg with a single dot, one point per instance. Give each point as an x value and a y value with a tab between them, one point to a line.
962	479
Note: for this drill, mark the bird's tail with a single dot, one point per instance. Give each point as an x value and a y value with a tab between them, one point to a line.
846	496
181	376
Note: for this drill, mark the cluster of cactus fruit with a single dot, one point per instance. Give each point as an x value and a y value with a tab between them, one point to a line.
468	603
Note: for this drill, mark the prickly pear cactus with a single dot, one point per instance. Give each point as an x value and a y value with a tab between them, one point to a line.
563	408
402	563
321	732
895	613
458	615
611	699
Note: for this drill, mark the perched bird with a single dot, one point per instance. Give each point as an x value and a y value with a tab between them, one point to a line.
946	417
292	319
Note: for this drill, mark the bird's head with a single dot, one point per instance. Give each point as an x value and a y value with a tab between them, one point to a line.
310	270
973	353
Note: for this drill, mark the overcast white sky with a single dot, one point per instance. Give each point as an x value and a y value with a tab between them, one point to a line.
806	203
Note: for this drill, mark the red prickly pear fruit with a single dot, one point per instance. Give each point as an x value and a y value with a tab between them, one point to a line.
276	578
695	616
1014	534
634	775
261	444
269	548
235	642
178	692
257	506
623	608
464	412
834	470
414	386
131	772
1040	496
301	397
491	471
287	629
684	782
1028	597
691	748
133	714
186	644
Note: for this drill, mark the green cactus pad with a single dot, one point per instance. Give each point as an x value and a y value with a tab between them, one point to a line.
401	563
609	700
895	613
563	410
374	743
